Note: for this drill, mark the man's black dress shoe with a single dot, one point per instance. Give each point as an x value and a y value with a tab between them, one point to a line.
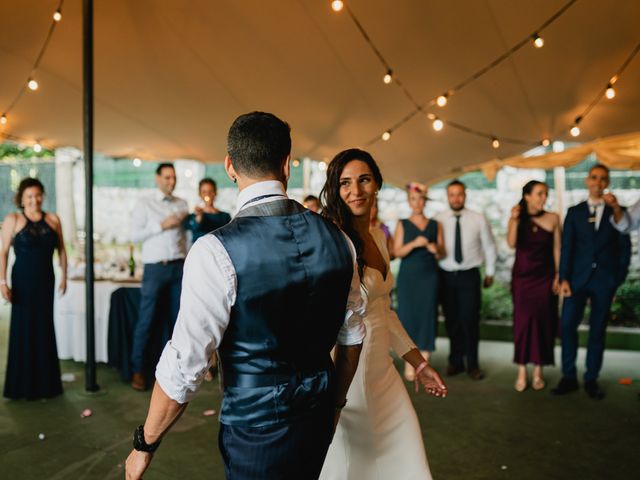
593	390
566	385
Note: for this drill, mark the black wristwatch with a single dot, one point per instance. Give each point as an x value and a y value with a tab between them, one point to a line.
139	443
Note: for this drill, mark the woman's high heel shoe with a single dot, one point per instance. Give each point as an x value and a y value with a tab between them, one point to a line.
538	383
520	385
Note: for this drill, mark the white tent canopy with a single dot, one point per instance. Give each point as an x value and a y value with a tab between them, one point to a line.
171	75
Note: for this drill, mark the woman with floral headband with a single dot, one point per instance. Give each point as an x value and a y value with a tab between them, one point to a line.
419	243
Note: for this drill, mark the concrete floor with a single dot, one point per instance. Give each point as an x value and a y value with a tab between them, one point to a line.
483	430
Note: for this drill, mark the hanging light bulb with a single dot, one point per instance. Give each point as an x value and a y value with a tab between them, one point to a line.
337	5
32	84
438	124
388	77
537	41
386	135
610	92
3	119
322	166
57	16
495	143
546	142
137	162
37	147
442	100
296	162
575	131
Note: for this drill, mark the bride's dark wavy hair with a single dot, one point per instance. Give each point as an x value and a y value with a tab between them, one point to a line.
334	208
525	217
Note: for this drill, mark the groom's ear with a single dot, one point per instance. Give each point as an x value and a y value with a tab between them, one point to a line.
231	172
286	169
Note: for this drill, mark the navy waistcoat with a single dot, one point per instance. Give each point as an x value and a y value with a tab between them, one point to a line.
293	270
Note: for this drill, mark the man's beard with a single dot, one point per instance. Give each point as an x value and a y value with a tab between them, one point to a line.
457	209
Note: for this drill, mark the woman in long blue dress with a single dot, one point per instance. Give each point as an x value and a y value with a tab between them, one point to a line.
419	243
33	369
206	217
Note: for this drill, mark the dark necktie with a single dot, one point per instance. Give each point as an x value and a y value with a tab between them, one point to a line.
457	251
593	218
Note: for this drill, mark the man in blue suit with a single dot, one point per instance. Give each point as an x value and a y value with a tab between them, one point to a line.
593	263
272	292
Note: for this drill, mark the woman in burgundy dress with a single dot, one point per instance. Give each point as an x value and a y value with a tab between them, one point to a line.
535	234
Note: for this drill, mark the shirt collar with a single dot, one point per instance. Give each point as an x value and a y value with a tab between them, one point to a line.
595	203
158	195
268	187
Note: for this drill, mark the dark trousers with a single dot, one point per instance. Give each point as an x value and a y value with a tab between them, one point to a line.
461	300
599	290
158	280
294	451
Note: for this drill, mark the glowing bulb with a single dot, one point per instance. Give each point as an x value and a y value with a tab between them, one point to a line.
137	162
610	93
322	166
438	124
32	84
546	142
441	101
495	143
538	41
337	5
296	162
37	148
207	198
386	135
575	131
388	77
188	173
3	119
57	16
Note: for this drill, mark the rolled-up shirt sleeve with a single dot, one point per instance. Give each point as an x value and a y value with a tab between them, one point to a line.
208	293
630	219
353	330
489	247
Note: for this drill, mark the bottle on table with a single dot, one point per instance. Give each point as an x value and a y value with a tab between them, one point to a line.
132	263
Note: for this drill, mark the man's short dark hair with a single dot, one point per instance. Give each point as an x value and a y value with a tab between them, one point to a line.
311	198
258	144
603	167
164	165
456	182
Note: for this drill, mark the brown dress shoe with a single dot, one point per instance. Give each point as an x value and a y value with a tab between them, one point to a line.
454	370
476	374
137	382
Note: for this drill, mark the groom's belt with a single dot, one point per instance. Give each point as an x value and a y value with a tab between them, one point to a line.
251	380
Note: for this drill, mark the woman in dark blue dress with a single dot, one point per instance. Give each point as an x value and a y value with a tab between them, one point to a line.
33	369
419	243
206	217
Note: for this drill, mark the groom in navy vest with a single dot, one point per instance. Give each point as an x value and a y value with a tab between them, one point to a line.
593	263
273	291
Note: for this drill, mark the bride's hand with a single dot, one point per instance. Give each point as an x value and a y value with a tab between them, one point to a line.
432	382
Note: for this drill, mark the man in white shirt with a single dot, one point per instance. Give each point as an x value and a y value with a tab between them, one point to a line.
469	243
269	292
157	222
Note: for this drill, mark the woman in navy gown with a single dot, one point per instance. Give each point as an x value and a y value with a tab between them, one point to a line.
536	236
33	369
419	243
206	217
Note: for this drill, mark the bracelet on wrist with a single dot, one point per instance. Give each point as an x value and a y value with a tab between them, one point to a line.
3	281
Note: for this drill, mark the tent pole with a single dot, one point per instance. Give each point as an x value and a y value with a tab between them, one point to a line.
87	73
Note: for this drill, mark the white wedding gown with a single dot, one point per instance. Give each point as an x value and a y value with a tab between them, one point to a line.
378	436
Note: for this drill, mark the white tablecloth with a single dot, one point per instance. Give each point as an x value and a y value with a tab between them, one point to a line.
69	319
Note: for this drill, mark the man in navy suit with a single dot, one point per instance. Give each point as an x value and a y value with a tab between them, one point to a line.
593	263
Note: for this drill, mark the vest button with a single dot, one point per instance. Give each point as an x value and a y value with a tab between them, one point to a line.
594	265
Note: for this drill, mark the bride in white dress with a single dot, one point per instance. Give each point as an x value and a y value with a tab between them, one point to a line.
378	435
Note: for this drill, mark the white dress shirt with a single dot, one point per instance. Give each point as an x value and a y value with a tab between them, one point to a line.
599	206
209	287
159	245
478	246
630	220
